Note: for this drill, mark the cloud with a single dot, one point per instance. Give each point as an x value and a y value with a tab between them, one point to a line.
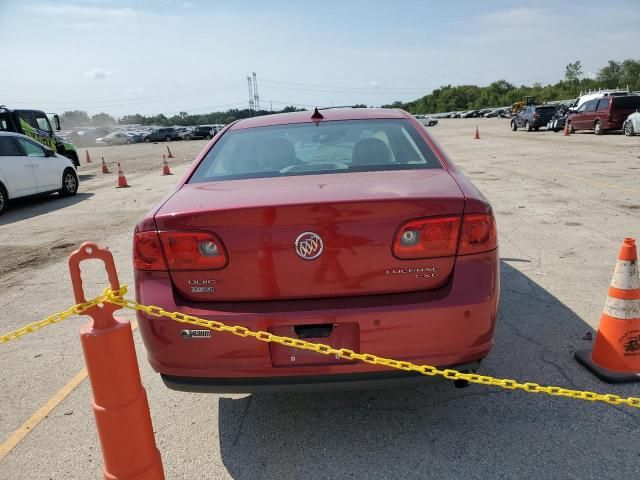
86	12
97	74
374	84
515	16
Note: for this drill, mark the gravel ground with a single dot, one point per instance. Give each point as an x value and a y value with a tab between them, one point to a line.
563	205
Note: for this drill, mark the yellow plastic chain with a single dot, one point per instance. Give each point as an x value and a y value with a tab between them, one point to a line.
374	359
58	317
116	298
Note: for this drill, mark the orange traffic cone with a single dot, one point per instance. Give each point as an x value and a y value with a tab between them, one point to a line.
616	351
105	169
122	181
169	151
477	135
566	131
88	157
165	166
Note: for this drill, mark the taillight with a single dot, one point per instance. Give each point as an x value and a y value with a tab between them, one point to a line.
183	251
193	250
427	238
536	115
438	237
478	234
147	252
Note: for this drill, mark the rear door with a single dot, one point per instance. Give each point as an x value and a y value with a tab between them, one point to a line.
602	110
47	169
621	108
589	116
17	169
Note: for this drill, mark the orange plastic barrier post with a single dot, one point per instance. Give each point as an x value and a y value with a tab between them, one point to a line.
119	401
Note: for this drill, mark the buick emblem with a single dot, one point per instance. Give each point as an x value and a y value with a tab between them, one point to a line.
309	245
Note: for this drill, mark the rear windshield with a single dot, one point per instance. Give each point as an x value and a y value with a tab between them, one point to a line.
306	148
545	109
627	102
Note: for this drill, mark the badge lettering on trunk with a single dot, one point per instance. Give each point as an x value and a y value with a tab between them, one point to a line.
309	245
202	286
187	334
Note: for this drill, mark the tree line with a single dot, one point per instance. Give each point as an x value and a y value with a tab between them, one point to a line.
80	118
501	93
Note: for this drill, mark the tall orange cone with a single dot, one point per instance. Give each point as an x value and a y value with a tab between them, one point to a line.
88	157
122	181
105	169
169	152
120	404
567	130
616	351
165	166
477	135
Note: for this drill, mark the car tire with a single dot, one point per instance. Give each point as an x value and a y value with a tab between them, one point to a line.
527	126
571	129
597	128
514	126
628	129
167	138
536	128
208	136
129	142
147	140
69	183
4	200
187	137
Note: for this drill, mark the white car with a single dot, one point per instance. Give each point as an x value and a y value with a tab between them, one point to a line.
29	168
116	138
426	120
631	125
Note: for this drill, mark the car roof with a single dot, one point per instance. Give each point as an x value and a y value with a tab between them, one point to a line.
328	114
13	134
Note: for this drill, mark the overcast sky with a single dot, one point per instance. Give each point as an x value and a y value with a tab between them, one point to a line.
168	56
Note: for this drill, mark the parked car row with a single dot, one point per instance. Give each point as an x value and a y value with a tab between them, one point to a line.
502	112
601	114
87	137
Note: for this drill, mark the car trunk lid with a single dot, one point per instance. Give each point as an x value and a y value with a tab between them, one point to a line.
355	215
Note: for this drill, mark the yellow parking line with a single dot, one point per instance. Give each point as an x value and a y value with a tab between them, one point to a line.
601	183
23	430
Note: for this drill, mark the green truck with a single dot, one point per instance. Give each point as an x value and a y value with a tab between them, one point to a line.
36	124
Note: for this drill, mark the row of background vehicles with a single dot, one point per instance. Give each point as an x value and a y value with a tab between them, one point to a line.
87	137
601	112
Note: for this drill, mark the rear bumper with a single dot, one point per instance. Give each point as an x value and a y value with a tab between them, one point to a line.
453	325
346	381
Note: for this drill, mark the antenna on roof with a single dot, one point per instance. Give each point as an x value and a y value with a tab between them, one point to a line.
316	115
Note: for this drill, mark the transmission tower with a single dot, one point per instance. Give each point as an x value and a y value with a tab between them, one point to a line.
256	98
251	105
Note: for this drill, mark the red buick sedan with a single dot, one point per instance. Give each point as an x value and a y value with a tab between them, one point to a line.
348	227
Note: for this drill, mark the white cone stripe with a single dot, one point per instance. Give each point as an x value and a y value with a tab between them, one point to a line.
622	309
625	276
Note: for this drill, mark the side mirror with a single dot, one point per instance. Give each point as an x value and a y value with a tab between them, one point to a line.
50	153
56	121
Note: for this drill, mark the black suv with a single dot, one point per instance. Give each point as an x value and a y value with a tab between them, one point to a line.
162	135
199	132
532	117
